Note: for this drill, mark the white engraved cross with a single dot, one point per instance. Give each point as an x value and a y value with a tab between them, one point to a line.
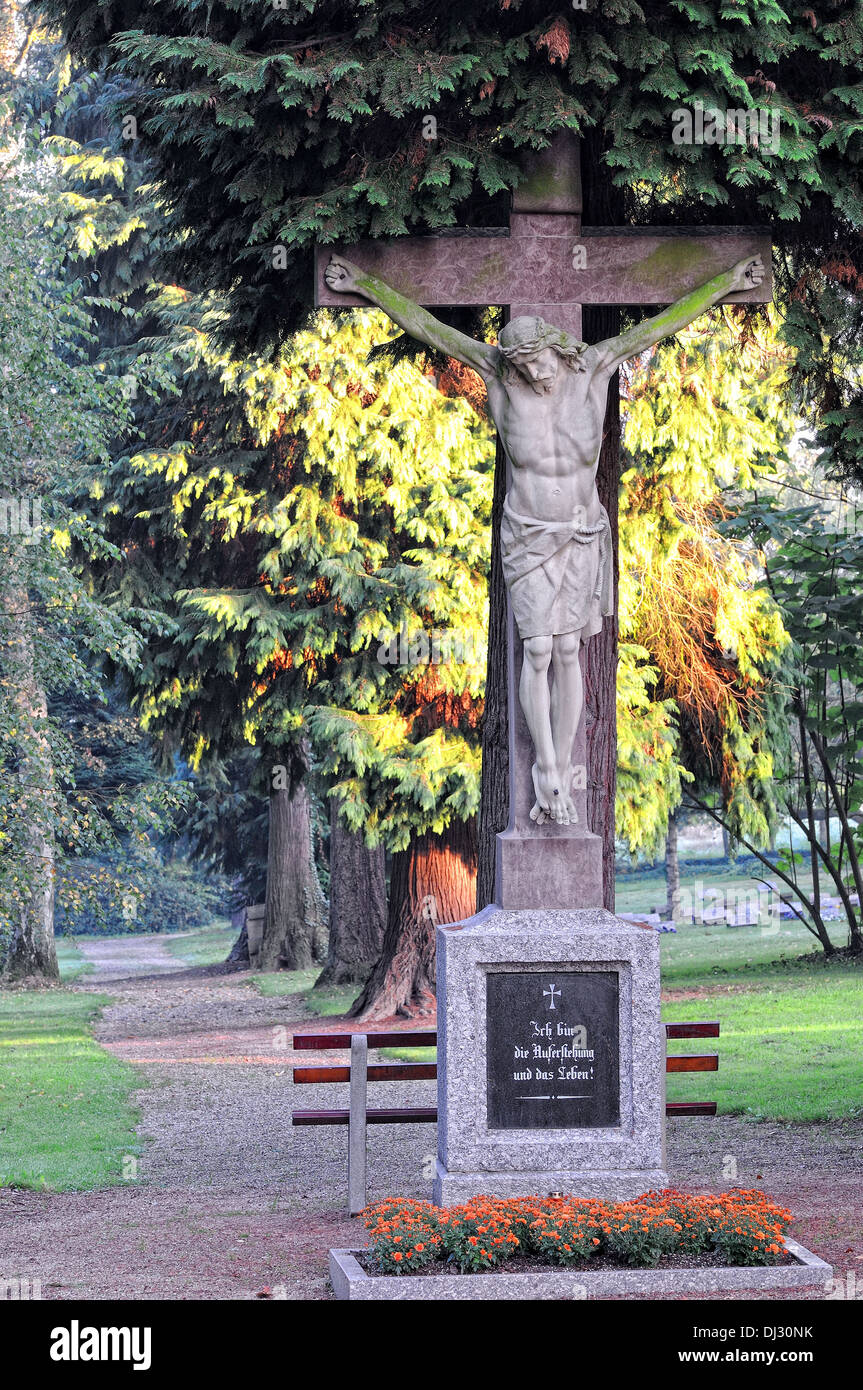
551	992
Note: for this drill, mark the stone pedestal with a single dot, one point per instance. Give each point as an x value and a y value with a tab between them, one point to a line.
551	1057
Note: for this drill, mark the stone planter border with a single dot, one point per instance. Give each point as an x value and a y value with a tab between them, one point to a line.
350	1281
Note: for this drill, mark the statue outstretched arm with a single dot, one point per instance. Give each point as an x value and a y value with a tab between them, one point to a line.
344	276
745	275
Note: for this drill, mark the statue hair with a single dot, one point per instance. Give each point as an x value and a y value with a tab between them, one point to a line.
528	334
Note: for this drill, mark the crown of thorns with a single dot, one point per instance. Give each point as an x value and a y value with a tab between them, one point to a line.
529	334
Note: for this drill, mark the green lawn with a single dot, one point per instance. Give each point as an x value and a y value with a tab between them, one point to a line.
791	1023
72	963
65	1115
789	1049
700	955
324	1003
791	1030
209	945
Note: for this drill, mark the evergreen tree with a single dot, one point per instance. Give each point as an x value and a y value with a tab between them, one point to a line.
704	419
304	121
305	585
107	213
57	414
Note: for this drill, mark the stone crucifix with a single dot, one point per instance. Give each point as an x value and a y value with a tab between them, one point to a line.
547	394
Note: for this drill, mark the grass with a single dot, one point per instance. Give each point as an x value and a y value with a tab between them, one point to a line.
66	1121
791	1022
698	955
72	963
322	1003
789	1049
209	945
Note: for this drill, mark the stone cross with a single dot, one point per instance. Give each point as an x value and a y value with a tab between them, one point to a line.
544	267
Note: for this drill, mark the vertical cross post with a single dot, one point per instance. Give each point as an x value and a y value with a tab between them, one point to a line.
549	865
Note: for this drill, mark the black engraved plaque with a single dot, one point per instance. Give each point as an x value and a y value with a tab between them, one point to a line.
552	1048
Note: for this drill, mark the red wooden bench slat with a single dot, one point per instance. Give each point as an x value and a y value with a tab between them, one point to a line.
418	1115
413	1115
320	1042
706	1061
692	1030
427	1071
383	1071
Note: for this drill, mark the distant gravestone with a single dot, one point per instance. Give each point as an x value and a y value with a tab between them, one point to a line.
255	916
248	922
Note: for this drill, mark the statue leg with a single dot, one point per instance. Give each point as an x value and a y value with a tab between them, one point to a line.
536	703
567	702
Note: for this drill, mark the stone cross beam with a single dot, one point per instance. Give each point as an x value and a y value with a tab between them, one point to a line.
546	263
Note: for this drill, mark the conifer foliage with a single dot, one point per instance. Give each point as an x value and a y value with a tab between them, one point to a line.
287	123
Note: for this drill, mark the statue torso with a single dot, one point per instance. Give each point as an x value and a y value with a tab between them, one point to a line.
553	441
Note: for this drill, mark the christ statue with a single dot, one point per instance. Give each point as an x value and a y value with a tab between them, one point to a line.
547	396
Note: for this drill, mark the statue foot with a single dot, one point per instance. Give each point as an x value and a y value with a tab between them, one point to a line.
550	800
570	806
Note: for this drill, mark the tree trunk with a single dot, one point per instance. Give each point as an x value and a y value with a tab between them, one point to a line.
599	654
29	889
432	882
494	794
295	924
672	871
358	906
603	207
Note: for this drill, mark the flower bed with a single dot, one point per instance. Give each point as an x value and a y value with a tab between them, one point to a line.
741	1227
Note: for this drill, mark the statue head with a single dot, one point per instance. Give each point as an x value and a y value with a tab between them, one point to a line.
536	348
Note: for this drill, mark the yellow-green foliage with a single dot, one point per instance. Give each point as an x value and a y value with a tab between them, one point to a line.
704	416
356	500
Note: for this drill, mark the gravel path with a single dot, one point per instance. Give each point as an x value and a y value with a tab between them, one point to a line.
118	958
230	1202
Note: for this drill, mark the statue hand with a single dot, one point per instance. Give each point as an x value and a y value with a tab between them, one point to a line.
748	274
341	275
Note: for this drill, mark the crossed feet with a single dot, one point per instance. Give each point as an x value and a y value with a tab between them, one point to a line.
553	797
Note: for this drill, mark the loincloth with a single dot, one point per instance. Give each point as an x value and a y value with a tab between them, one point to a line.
558	573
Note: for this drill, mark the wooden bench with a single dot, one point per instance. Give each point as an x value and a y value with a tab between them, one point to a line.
359	1073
